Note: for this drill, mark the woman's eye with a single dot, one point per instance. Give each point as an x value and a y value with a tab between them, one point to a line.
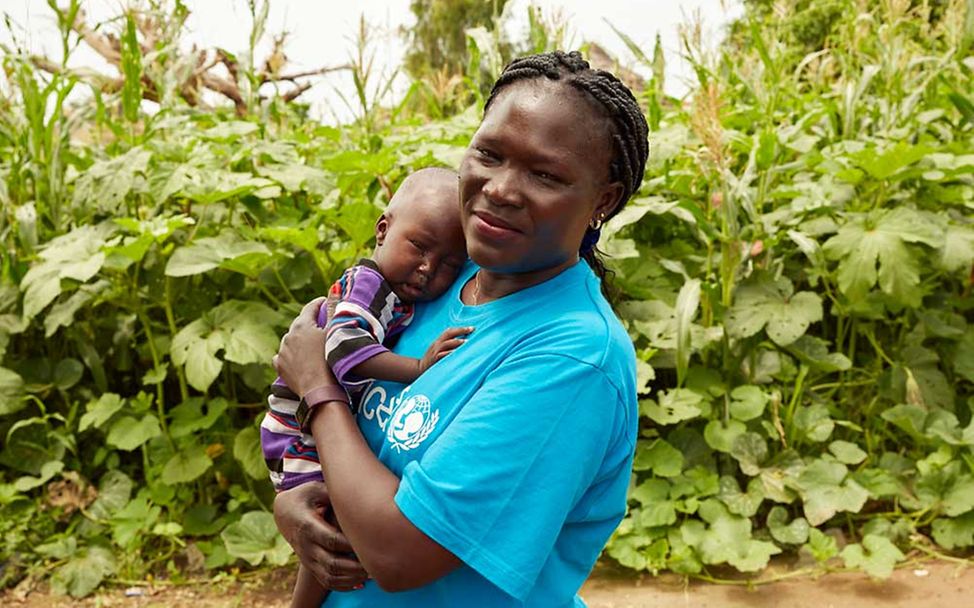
548	177
486	154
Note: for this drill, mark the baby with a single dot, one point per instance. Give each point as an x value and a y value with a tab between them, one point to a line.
419	249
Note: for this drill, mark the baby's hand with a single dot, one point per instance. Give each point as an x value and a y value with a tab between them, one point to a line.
443	346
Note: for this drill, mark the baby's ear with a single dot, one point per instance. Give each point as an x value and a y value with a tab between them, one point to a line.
381	229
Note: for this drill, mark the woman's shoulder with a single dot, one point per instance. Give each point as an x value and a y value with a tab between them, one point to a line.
578	323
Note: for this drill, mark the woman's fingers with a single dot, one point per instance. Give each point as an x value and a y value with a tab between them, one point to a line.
301	359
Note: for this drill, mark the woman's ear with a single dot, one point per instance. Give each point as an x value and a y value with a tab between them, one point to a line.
381	229
609	200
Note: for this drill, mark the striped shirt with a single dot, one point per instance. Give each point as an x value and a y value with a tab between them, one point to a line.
361	315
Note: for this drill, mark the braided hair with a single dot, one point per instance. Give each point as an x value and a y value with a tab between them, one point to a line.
629	132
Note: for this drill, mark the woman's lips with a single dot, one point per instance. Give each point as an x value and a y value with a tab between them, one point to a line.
493	227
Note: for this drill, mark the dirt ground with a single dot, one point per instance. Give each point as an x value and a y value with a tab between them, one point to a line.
927	585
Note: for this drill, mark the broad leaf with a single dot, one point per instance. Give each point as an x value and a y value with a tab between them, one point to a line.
100	410
247	451
11	392
244	330
883	238
773	306
255	538
658	456
673	406
128	433
186	465
783	531
876	555
83	572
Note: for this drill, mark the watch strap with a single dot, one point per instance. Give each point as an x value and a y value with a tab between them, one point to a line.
315	397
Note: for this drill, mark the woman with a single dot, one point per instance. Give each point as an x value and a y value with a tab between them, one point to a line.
497	476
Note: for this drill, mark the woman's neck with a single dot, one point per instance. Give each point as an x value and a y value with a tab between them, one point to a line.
488	285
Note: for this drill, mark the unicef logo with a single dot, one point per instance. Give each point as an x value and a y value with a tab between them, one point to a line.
411	423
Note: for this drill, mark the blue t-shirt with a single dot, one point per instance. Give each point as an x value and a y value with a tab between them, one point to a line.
515	450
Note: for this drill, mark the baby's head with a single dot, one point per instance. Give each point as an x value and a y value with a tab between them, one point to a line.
419	246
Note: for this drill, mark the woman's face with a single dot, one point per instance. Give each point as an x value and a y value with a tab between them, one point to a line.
535	174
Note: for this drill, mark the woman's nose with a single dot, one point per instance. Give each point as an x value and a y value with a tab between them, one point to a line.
502	188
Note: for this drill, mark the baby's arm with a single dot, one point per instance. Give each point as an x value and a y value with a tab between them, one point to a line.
396	368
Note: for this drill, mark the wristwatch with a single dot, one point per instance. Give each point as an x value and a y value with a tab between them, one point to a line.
315	397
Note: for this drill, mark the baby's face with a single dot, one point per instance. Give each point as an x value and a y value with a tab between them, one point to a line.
420	249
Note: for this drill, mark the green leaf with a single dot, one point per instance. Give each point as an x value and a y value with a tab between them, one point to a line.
957	252
76	255
847	452
745	504
749	450
814	422
954	533
170	528
67	373
728	539
674	405
792	533
659	456
826	489
963	356
128	433
721	436
255	538
909	418
205	254
815	352
881	238
685	309
131	59
186	465
84	572
106	184
876	556
188	417
650	491
231	130
822	546
959	498
114	491
48	471
885	164
747	403
11	392
244	330
98	411
772	305
644	374
246	449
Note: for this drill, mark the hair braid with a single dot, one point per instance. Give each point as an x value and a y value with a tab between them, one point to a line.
629	136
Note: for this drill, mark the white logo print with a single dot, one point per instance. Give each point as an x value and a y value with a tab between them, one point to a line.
411	423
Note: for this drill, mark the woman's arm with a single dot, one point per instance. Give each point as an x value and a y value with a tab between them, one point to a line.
393	551
322	548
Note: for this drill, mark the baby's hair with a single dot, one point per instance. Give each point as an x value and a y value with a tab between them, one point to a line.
630	132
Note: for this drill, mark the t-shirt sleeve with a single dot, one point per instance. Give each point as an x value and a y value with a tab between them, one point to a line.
498	485
355	332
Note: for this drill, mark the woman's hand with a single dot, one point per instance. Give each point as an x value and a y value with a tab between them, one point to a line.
300	361
322	548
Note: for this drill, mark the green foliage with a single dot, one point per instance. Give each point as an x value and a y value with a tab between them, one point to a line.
815	197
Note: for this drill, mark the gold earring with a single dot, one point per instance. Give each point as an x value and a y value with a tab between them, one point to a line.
596	223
